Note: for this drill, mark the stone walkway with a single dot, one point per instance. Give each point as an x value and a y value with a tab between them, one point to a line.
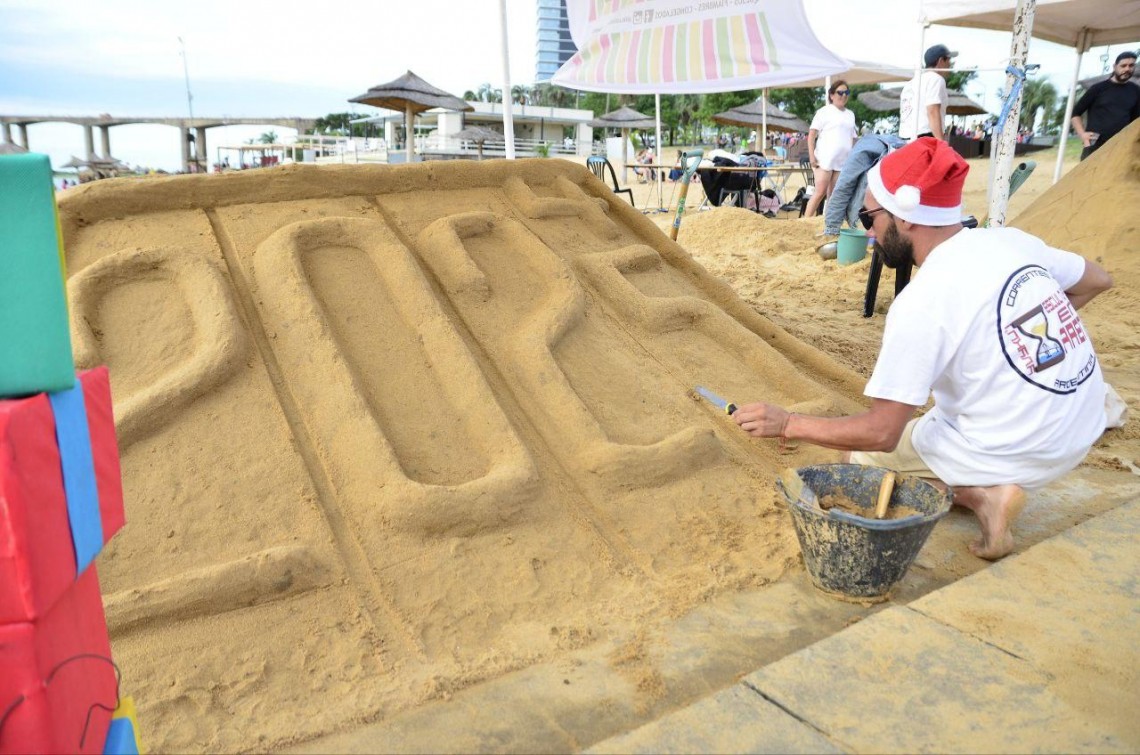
1037	653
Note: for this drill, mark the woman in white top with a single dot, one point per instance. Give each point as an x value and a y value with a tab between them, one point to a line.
830	138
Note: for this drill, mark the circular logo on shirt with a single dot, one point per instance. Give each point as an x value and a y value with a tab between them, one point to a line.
1041	333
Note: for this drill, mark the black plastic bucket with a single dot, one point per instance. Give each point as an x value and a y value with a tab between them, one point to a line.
850	555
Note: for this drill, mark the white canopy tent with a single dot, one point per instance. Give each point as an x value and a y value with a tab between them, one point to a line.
678	47
1080	24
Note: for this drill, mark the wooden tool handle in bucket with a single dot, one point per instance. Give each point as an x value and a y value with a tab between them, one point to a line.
886	487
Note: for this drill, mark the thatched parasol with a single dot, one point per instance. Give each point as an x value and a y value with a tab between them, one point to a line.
477	134
884	100
412	95
752	114
624	118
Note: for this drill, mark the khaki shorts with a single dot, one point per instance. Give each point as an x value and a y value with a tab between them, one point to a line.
903	459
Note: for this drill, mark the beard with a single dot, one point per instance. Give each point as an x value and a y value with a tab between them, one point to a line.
1122	78
895	251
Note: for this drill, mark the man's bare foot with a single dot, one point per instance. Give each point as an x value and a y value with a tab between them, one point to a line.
996	508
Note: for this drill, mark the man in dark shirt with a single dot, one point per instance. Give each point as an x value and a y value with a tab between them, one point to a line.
1111	105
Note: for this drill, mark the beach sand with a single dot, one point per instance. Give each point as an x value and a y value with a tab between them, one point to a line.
393	434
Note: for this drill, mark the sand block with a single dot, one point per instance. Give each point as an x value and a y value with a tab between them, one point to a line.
37	555
35	347
56	669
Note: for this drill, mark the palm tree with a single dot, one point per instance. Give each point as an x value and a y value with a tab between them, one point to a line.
1037	93
269	137
488	93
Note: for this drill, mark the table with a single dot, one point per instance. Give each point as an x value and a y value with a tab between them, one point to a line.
776	175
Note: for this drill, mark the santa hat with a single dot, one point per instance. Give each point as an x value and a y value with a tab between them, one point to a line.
921	183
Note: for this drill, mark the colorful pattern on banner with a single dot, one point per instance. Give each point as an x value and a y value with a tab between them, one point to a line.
664	46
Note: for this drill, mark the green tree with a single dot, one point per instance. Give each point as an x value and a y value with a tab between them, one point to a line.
488	93
1037	93
269	137
334	123
956	80
801	102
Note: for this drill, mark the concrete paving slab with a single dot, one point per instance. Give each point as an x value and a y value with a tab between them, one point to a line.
900	681
1069	606
734	720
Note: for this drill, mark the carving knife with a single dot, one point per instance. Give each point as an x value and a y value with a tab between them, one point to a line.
727	406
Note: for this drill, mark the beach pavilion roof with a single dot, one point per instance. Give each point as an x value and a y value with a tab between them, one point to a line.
884	100
752	114
623	117
410	92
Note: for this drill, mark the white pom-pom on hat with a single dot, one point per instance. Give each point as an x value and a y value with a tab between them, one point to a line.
908	198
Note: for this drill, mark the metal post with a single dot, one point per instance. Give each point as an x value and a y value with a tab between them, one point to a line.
1007	139
189	105
1082	47
660	162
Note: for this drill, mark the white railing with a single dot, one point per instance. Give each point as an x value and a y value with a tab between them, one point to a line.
357	149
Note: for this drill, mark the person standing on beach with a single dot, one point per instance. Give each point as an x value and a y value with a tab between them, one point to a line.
990	327
1111	105
928	96
830	137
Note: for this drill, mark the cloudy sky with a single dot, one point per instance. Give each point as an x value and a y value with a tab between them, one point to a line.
123	57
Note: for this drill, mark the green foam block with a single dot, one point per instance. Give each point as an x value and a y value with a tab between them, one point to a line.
35	345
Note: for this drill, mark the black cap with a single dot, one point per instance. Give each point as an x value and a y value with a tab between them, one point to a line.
1125	56
930	59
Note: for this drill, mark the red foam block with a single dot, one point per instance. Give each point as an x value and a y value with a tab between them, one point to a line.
58	686
37	560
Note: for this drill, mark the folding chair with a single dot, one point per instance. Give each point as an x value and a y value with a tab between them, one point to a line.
809	182
600	166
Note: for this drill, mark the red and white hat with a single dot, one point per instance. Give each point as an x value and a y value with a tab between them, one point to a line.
921	183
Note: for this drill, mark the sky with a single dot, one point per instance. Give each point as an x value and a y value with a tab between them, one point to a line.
124	57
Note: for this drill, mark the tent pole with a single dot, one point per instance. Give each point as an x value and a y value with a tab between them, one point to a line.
1007	139
1082	45
660	177
624	155
508	105
764	119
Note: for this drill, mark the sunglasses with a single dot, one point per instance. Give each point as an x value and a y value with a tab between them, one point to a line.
843	92
865	217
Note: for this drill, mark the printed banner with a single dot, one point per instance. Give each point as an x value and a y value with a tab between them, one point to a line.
692	46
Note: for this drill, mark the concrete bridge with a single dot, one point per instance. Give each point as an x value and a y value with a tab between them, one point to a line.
105	122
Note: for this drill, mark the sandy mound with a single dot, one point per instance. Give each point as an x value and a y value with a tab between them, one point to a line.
388	432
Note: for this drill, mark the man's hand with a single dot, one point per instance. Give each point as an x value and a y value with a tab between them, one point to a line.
761	420
1088	138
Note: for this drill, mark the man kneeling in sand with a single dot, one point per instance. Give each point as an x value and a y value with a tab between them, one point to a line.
990	327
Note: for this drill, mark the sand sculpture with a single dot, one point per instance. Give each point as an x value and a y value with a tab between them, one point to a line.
389	432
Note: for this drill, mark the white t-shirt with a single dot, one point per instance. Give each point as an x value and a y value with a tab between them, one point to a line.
933	88
836	135
986	326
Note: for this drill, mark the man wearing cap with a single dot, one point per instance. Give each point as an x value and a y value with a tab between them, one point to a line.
928	98
990	327
1111	105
